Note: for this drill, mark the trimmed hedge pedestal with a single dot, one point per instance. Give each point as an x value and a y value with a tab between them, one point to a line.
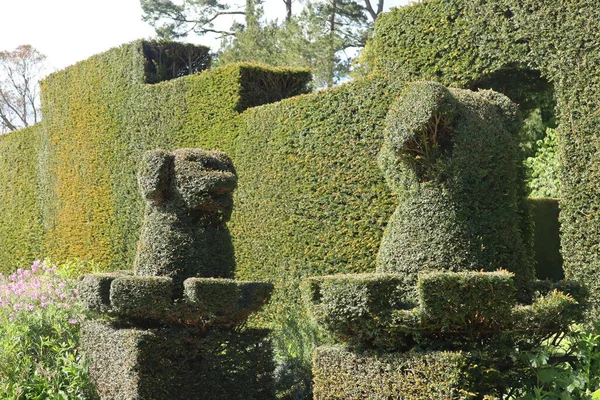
169	330
454	302
459	341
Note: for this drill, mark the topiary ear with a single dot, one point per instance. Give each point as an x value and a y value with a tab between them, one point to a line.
154	175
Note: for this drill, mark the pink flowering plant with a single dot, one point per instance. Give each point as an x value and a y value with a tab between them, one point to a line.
39	330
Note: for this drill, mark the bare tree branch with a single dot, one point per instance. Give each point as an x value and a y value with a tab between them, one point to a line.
20	70
372	12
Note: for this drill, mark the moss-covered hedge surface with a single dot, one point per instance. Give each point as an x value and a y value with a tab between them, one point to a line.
463	43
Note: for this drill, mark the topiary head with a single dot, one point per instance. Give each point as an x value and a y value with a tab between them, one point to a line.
193	181
418	134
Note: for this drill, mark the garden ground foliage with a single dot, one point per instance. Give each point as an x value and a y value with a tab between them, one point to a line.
39	336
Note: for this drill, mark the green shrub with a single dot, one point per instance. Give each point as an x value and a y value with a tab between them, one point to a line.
567	367
452	157
542	168
357	309
141	297
39	337
467	301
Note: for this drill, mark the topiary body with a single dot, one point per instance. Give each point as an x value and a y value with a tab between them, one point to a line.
188	201
452	157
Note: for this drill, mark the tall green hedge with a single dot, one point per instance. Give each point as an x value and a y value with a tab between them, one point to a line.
462	43
21	227
310	200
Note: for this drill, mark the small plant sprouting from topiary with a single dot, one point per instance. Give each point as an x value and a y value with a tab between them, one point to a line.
429	144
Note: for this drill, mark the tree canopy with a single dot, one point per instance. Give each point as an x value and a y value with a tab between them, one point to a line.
323	35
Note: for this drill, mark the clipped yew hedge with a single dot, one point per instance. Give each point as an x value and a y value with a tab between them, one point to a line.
100	115
21	226
310	200
379	375
463	43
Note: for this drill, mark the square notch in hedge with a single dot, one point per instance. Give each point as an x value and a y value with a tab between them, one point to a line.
353	295
169	60
459	301
212	296
94	291
143	297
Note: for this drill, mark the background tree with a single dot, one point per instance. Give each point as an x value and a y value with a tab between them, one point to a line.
325	35
20	71
174	21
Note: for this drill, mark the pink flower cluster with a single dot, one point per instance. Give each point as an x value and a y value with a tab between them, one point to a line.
34	289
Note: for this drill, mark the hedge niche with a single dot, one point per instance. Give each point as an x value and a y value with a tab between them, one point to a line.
172	327
462	43
453	271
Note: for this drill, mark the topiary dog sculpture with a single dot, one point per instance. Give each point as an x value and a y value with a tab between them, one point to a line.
189	199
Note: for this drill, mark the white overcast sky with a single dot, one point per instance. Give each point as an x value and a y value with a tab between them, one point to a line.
68	31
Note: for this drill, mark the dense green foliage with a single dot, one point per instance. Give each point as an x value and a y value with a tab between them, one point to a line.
570	370
462	42
342	374
471	300
358	309
312	200
149	300
453	309
472	313
452	156
543	166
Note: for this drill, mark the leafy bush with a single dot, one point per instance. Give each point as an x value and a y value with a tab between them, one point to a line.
542	168
568	367
39	333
